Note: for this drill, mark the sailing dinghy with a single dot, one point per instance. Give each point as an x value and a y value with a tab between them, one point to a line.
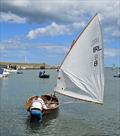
81	74
50	100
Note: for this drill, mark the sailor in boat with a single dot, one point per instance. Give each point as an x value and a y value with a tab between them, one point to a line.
37	106
42	73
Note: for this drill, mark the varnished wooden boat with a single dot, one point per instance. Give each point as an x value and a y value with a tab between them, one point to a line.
51	102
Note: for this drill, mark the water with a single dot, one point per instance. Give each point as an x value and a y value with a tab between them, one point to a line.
75	119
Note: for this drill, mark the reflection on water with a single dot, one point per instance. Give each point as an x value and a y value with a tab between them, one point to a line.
50	118
49	121
77	119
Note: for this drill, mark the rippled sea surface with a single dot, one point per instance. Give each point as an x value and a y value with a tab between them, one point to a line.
72	119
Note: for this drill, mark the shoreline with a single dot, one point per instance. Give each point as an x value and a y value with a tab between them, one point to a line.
28	65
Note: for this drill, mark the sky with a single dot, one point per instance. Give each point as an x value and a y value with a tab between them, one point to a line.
41	31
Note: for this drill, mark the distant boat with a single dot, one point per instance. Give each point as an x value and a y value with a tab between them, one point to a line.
19	72
113	67
42	74
3	73
81	73
118	74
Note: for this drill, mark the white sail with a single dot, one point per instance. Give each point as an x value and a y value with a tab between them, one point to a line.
81	74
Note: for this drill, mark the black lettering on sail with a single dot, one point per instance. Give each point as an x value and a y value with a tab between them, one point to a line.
96	48
95	63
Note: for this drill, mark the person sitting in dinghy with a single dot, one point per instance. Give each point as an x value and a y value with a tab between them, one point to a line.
37	107
41	73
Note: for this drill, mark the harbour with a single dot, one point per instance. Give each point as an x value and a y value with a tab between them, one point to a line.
59	68
72	118
27	65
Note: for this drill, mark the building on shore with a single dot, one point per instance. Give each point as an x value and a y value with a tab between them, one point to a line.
26	65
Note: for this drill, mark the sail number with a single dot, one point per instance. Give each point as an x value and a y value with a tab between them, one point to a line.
95	41
95	50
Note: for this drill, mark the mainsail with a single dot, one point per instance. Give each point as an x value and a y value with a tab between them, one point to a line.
81	74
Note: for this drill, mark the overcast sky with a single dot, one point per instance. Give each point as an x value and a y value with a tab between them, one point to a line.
38	31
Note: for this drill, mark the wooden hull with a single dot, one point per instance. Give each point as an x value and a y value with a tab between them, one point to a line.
46	112
50	100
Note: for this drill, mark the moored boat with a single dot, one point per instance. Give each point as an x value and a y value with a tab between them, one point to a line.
3	73
42	74
19	72
117	75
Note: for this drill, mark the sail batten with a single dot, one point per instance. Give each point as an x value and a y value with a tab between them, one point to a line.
83	66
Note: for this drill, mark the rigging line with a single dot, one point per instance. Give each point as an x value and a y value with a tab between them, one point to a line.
69	102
